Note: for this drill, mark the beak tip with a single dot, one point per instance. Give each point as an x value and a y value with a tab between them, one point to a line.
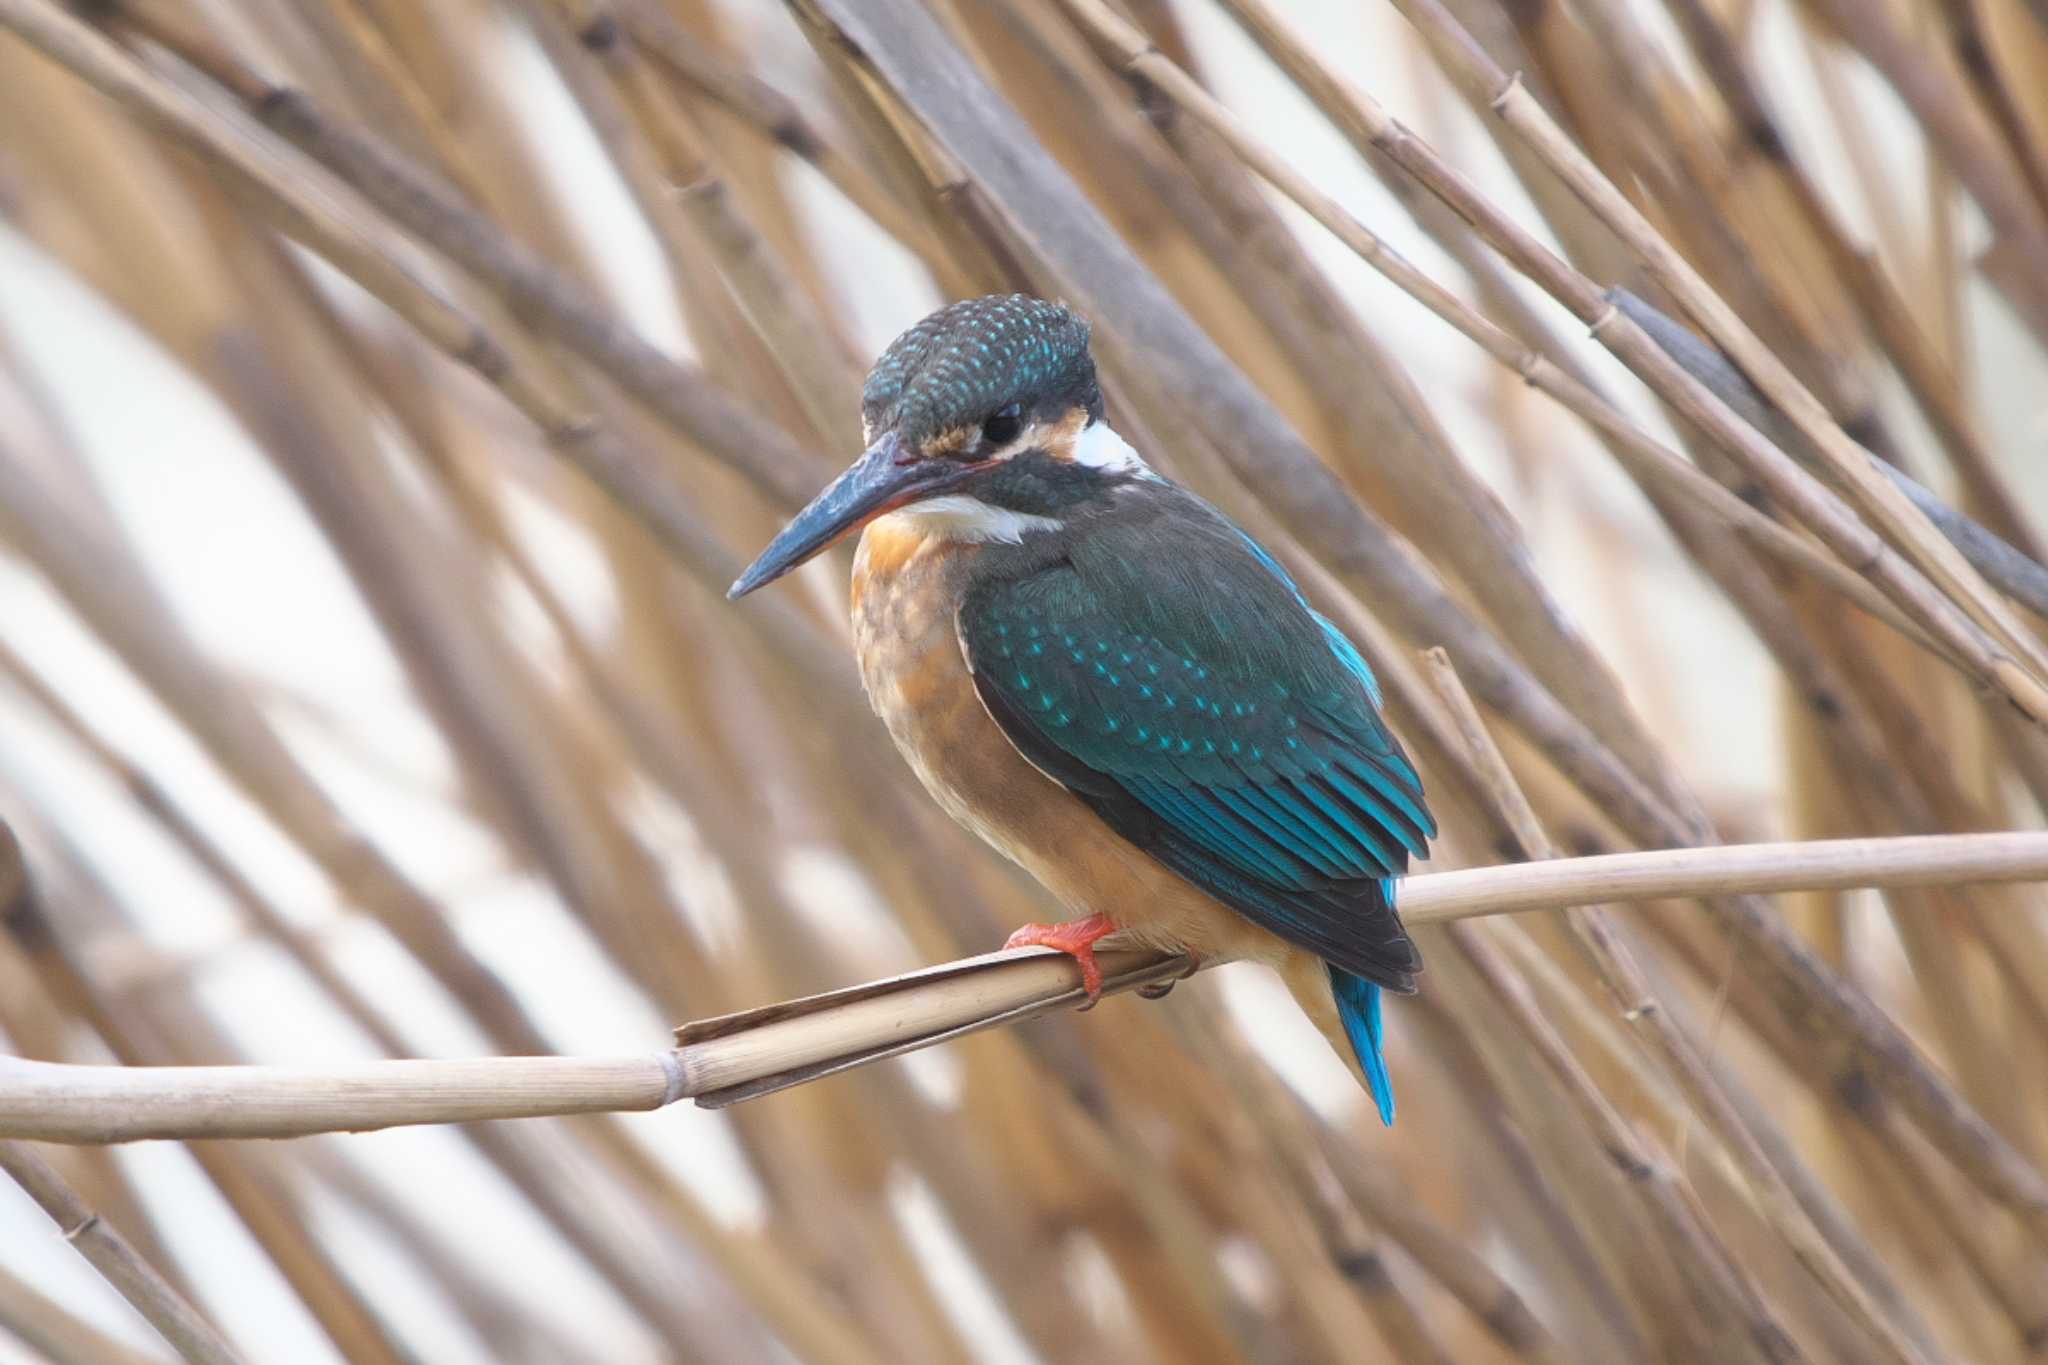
873	483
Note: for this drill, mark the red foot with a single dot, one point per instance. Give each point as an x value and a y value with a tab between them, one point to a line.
1075	936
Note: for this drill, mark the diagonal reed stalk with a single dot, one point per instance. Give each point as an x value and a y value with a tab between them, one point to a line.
194	1338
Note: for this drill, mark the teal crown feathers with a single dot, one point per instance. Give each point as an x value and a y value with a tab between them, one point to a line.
970	357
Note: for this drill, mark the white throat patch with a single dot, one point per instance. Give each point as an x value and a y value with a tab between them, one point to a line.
1099	447
957	516
963	517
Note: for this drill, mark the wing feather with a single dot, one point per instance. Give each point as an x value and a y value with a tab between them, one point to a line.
1256	768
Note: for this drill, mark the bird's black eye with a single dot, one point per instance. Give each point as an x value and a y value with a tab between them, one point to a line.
1000	427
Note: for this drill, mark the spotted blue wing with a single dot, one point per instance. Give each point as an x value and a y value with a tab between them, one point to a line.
1212	719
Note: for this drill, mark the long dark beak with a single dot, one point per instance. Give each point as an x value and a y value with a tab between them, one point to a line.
881	479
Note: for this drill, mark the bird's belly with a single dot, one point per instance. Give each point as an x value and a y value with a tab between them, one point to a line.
916	675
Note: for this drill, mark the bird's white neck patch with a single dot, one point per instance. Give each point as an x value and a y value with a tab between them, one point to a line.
1099	447
957	516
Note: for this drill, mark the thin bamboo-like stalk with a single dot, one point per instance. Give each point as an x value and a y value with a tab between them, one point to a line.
1379	431
795	326
1928	860
2018	675
49	1328
2013	571
1359	1231
1831	519
1933	381
1975	152
140	1028
1365	128
532	289
1615	961
100	1243
223	718
1490	1298
720	1061
366	252
1903	1156
537	1178
1701	1302
533	1177
1647	457
94	570
775	114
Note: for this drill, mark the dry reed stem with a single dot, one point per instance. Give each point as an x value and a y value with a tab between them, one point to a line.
51	1330
110	591
1953	120
762	1296
2013	571
1870	1129
1348	1230
1456	1266
1602	944
535	1179
776	115
109	1252
101	579
737	1057
532	289
1646	457
1934	384
144	1027
1929	551
1815	865
364	250
189	833
418	576
1815	504
1860	548
539	1180
511	1326
1704	1302
655	136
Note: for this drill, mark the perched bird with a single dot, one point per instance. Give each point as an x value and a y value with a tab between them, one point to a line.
1102	676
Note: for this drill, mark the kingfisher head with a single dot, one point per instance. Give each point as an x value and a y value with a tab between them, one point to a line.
984	421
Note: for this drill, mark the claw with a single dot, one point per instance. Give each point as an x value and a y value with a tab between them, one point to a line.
1158	989
1075	937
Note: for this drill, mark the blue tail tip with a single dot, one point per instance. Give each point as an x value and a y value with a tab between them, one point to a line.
1358	1007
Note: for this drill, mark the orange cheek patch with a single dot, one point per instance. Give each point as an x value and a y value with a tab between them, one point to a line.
952	441
1057	439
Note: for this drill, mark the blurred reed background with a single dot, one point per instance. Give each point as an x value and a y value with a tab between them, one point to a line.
389	390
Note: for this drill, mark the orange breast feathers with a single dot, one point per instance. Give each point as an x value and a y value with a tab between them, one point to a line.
887	546
906	589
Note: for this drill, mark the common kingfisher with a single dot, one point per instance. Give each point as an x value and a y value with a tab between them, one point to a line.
1105	678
